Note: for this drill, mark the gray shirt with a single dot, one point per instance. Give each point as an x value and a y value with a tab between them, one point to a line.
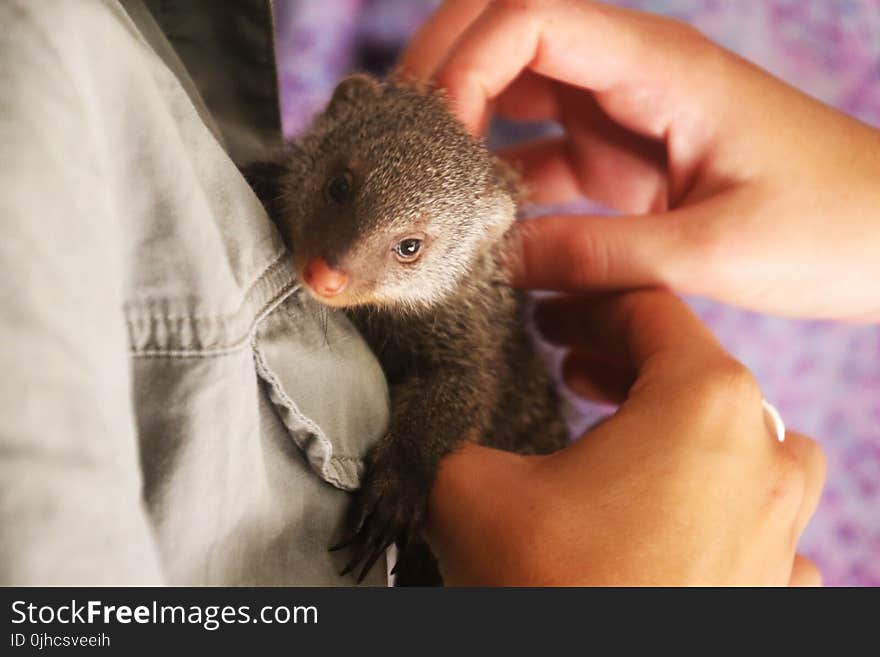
173	408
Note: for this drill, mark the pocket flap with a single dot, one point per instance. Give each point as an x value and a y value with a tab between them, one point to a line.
326	384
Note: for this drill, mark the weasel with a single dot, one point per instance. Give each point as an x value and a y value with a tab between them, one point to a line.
400	218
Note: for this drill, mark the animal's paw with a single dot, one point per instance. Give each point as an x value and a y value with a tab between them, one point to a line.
389	507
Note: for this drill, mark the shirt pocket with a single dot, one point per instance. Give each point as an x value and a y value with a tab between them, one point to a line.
325	383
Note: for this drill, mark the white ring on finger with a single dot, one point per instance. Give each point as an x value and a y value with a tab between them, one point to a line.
774	420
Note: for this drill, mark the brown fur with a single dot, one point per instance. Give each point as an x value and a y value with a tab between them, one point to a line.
447	329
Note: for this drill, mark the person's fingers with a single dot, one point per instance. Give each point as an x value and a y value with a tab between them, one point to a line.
586	44
804	572
809	459
612	336
629	327
595	157
530	97
575	253
431	43
470	505
556	170
597	378
579	322
686	249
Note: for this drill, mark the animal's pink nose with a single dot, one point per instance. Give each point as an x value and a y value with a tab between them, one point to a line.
323	279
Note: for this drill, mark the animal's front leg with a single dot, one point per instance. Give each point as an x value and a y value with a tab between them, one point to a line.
428	421
390	505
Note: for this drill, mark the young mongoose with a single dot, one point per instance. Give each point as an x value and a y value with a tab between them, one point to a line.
398	216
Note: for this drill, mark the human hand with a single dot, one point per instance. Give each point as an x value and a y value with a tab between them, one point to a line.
684	485
734	185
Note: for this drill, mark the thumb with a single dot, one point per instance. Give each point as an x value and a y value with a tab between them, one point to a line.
574	253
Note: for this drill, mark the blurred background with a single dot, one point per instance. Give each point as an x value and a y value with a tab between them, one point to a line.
824	377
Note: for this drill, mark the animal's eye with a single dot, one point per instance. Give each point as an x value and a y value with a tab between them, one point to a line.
408	250
340	188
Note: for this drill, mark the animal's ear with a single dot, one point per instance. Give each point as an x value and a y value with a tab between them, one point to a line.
509	179
506	192
352	89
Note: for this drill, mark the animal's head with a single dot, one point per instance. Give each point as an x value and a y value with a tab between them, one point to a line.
389	200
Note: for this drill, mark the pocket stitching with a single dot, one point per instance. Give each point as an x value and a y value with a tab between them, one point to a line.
332	467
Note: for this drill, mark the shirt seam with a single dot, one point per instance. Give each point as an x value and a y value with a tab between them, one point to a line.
291	286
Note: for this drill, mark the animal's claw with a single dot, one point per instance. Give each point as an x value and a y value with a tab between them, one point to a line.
344	542
357	517
379	549
367	549
388	508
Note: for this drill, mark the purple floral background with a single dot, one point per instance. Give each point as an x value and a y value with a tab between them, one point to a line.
824	377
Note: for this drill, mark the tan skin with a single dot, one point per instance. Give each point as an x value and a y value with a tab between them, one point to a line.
684	485
734	186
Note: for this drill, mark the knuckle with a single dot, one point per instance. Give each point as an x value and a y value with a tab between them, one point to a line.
716	239
729	382
787	489
526	12
702	239
586	259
